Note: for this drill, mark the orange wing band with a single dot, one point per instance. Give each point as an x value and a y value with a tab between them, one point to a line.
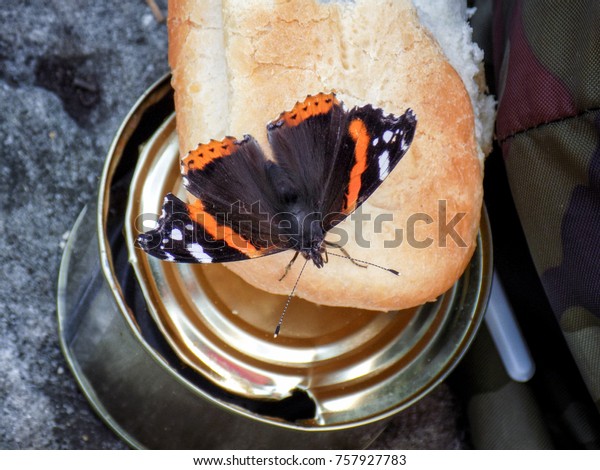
221	232
206	153
313	105
360	136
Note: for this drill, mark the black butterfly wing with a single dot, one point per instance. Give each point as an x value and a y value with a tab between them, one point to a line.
371	147
230	218
305	142
338	157
186	233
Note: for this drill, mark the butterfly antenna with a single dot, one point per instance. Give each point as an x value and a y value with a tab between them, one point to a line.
287	303
393	271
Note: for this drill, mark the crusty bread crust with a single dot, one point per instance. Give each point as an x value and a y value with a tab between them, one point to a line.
237	64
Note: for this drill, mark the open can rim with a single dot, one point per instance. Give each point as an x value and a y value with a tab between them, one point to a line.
155	93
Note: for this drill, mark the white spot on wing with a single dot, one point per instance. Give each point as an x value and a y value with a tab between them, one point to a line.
384	165
149	224
387	136
176	234
375	141
189	227
198	252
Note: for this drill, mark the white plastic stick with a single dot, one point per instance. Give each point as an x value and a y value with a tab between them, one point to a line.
507	335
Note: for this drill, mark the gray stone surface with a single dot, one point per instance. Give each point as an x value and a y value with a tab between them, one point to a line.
69	72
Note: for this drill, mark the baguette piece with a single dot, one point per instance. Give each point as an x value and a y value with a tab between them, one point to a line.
238	63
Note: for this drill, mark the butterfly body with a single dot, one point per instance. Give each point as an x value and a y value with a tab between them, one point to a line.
306	234
325	162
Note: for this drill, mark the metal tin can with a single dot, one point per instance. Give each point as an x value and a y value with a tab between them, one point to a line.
180	356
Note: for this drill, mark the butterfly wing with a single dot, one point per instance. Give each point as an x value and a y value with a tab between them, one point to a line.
305	142
372	145
186	233
231	216
338	157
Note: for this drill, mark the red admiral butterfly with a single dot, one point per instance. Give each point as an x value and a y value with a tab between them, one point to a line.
328	161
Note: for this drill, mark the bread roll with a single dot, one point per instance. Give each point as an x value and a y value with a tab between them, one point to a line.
238	63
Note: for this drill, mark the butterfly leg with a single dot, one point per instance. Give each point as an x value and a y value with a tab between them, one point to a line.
289	266
345	253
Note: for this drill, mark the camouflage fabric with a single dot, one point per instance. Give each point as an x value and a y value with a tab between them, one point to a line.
544	59
501	413
547	61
